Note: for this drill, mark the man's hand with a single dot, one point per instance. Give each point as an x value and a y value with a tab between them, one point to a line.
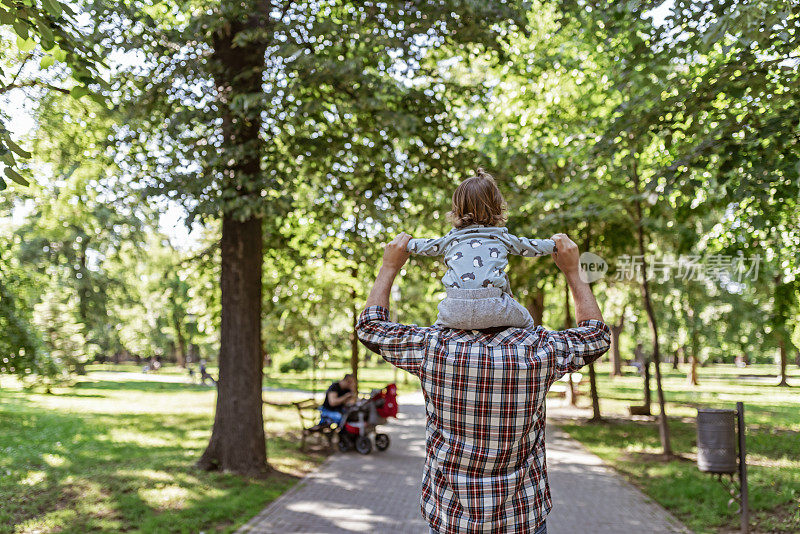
567	259
394	257
566	255
395	254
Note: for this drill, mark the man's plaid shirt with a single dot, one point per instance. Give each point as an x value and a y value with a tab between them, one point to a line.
485	402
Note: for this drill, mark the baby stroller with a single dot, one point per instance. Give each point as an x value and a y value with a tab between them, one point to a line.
360	421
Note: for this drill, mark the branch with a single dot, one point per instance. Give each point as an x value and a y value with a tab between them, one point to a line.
22	66
32	83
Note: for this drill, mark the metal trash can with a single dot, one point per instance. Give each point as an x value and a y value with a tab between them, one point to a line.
716	441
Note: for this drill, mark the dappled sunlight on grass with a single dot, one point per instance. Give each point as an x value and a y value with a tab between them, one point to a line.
102	458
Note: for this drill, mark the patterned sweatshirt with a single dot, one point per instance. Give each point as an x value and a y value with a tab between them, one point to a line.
477	256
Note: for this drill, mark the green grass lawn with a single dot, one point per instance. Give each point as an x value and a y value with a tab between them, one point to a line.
375	375
116	453
773	445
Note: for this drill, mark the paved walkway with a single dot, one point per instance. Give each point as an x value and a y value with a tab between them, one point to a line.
379	493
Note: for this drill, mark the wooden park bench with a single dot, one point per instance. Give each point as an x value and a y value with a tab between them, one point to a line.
560	387
308	412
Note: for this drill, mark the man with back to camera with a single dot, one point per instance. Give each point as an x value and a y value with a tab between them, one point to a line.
485	401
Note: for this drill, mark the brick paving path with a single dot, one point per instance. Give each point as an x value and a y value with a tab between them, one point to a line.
379	493
589	496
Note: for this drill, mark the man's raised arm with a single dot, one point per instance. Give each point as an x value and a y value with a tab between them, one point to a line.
567	259
398	344
576	347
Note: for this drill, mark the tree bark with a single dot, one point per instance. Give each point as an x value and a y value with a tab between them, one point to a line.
663	426
237	441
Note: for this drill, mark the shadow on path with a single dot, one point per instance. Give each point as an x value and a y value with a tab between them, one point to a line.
379	493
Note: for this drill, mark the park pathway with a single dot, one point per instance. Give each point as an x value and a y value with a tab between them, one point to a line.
379	493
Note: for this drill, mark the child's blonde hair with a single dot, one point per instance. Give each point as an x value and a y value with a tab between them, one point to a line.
478	200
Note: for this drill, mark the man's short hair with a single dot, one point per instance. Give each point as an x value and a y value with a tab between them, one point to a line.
349	375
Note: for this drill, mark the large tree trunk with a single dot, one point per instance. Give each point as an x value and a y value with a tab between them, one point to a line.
237	441
663	426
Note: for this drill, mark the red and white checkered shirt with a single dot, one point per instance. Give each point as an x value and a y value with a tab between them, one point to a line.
485	401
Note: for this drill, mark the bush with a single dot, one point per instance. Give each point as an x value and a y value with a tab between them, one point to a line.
295	365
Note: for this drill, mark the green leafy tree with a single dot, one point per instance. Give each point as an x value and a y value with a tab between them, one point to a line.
46	33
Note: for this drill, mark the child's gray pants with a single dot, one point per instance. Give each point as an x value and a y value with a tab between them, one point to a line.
480	308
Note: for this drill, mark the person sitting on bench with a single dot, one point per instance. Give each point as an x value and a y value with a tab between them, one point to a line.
339	394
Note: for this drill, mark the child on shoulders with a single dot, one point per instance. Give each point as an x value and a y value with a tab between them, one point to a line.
476	255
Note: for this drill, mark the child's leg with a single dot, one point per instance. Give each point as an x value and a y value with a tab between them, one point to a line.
476	309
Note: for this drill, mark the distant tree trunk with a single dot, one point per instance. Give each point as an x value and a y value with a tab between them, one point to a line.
536	305
663	426
616	357
784	361
237	441
692	376
785	294
314	363
596	416
354	340
84	284
571	394
595	396
180	345
675	359
646	379
694	347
